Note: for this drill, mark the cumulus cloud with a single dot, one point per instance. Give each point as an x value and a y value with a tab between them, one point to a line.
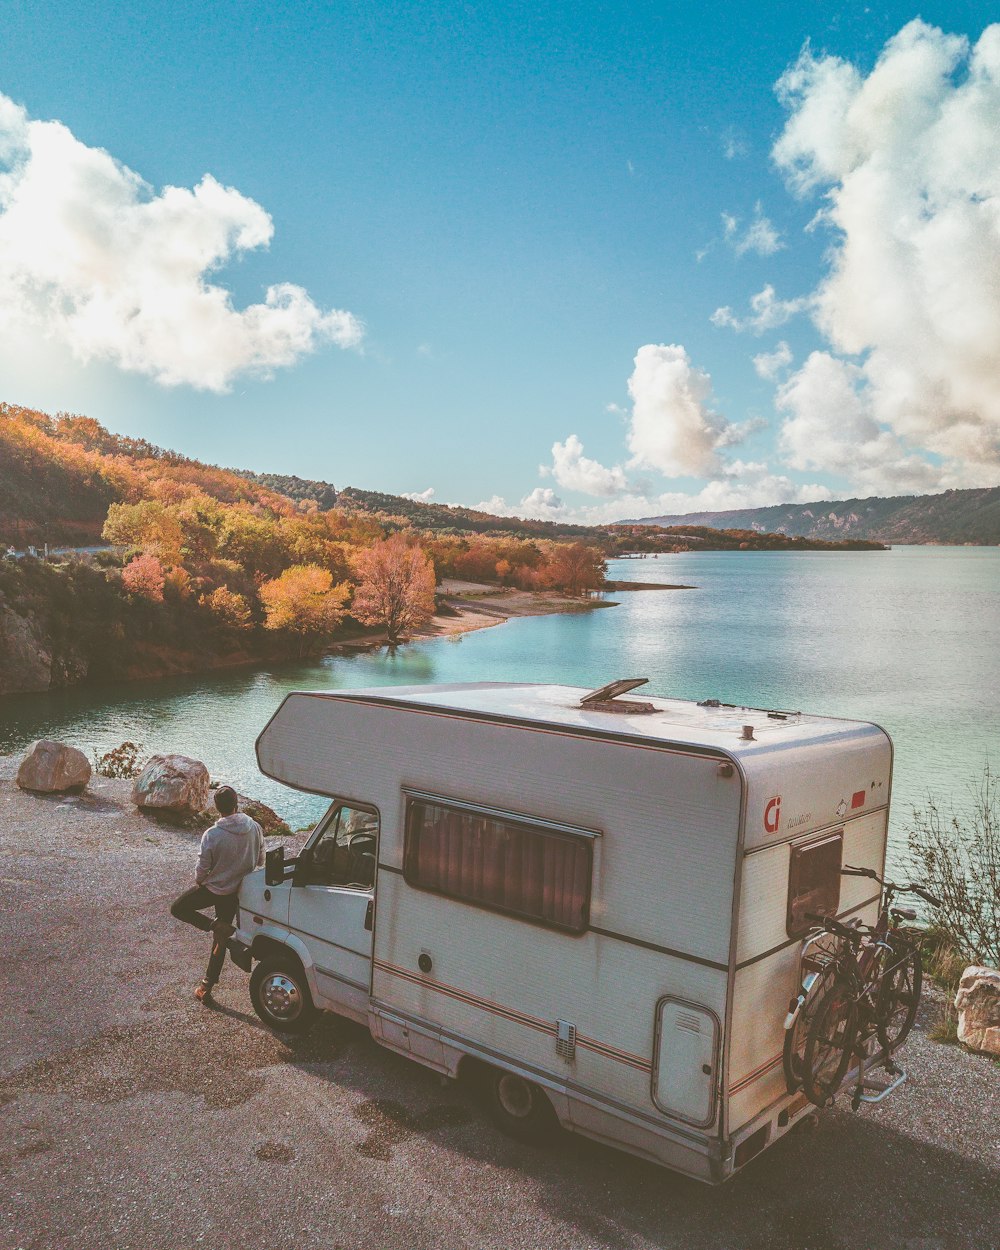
674	428
575	471
93	257
767	312
907	159
830	426
419	496
770	365
760	236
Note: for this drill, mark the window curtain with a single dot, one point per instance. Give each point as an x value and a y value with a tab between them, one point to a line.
517	868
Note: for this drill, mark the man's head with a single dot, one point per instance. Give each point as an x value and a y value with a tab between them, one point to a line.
226	800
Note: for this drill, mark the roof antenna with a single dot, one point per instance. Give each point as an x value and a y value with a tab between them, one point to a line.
604	699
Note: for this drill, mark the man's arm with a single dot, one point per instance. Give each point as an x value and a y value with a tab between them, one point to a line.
260	847
206	858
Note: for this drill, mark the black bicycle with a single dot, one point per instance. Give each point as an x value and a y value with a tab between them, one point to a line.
862	1006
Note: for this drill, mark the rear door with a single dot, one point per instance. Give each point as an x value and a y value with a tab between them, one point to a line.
685	1061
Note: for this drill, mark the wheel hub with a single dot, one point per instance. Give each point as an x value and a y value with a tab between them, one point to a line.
514	1095
281	996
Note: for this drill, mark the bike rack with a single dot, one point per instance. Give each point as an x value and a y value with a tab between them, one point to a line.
878	1092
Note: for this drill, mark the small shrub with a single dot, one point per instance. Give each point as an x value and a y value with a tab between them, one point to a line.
958	857
124	760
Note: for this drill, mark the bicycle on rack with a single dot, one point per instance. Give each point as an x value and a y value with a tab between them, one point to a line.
862	1000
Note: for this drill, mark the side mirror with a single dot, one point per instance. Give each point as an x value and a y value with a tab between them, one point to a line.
274	866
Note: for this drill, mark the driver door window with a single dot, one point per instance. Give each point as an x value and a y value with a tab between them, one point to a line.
344	853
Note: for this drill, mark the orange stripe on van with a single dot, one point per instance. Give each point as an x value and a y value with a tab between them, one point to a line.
755	1075
513	1015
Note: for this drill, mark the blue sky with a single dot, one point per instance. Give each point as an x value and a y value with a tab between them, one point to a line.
527	217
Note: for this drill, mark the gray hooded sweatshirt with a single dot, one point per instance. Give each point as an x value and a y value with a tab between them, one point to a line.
232	847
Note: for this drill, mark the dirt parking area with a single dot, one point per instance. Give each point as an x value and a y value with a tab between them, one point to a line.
131	1117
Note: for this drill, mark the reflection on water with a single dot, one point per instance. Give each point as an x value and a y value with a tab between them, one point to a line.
908	638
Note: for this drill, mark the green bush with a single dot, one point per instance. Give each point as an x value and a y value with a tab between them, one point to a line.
957	855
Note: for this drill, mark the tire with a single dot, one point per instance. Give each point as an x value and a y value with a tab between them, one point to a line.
519	1107
898	995
830	1043
280	995
793	1055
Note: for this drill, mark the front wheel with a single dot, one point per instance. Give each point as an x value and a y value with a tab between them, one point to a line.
518	1107
898	995
829	1045
280	995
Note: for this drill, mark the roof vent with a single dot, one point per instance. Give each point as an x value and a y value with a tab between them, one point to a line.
606	698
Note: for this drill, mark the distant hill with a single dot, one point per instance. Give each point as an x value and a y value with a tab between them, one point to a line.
436	517
955	517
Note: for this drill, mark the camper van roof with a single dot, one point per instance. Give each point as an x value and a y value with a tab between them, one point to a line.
707	724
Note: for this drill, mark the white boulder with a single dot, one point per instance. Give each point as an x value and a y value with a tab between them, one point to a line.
978	1003
173	784
53	768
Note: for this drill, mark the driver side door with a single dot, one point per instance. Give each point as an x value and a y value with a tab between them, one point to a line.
331	905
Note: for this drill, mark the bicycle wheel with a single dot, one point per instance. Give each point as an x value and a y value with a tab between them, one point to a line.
830	1044
793	1055
898	993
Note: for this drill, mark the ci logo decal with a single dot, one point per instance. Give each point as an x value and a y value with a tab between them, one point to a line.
772	814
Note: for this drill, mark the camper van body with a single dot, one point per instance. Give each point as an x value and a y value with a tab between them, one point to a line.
645	988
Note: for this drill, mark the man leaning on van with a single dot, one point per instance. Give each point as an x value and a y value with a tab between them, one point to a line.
231	848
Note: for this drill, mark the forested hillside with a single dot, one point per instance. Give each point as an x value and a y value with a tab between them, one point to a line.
954	517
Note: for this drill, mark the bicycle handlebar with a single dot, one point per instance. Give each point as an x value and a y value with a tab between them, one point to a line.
849	870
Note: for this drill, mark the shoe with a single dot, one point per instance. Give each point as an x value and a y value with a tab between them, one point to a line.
203	992
223	932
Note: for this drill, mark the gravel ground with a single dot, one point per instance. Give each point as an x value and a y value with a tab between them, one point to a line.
131	1117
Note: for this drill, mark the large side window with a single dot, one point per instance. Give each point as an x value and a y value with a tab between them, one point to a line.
502	863
814	882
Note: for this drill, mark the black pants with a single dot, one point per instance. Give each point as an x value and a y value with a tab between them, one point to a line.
189	908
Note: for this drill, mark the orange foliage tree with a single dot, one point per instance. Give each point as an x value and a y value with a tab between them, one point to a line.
230	607
144	576
575	568
305	601
395	587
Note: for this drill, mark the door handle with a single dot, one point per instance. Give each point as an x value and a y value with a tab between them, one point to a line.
370	914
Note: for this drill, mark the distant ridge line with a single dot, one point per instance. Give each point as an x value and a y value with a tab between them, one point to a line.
953	517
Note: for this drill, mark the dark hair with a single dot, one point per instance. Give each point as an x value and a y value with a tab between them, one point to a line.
226	800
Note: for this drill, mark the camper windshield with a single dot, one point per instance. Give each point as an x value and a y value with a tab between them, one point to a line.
343	849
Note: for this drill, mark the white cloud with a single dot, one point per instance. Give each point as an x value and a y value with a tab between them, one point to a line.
93	257
770	365
674	428
767	312
908	160
575	471
830	427
734	145
760	236
419	496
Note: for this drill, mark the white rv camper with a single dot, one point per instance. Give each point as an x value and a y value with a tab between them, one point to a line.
599	901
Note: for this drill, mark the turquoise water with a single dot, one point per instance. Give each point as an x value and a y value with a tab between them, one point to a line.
909	638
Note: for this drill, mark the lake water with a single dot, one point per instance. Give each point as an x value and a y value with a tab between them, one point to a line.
909	638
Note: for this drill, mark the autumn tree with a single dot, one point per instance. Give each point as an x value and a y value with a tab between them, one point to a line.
395	587
304	601
147	525
144	576
230	607
576	568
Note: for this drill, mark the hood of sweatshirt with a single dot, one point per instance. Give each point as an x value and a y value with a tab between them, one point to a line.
238	822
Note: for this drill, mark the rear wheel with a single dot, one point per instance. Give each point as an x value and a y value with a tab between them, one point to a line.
829	1045
796	1037
519	1107
280	995
898	994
